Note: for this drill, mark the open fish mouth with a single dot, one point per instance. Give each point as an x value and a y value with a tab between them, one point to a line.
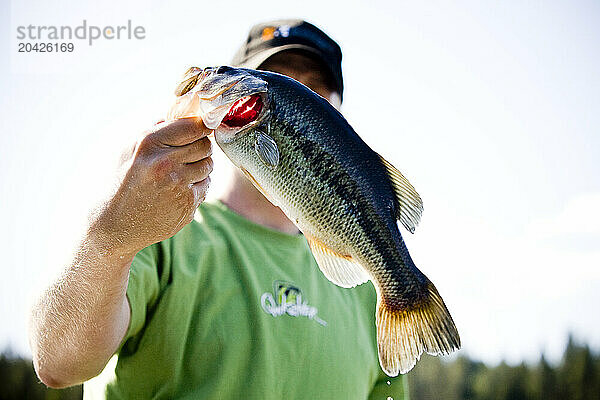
220	94
244	111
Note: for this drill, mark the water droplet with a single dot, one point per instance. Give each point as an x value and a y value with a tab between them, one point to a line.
390	398
389	383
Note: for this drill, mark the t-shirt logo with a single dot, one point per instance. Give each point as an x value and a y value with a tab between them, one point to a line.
287	299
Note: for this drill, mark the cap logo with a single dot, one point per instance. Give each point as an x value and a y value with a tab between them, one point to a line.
283	30
270	32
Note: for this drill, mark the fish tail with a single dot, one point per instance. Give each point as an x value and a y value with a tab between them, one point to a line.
403	334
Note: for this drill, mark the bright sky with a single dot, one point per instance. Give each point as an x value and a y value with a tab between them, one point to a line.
491	109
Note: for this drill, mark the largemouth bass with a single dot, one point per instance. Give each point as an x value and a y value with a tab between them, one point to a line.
305	158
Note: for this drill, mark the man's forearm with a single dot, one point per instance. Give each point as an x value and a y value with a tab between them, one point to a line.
79	321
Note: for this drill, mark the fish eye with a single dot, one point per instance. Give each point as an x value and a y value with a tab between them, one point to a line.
244	111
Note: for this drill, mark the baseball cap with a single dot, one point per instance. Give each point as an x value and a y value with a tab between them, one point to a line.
269	38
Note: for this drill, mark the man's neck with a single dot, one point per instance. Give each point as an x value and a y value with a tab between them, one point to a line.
243	198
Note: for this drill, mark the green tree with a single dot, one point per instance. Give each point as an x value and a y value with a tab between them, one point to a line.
545	382
576	377
579	373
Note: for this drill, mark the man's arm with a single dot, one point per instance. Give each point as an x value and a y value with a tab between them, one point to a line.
80	320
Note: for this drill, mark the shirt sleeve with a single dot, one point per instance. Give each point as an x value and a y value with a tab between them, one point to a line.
385	388
147	278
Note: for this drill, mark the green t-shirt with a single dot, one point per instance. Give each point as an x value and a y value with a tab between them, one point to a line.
228	309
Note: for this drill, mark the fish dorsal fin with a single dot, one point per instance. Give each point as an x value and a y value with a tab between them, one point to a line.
339	269
409	201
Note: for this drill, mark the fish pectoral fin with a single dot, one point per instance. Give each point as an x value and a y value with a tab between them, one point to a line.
339	269
266	149
409	201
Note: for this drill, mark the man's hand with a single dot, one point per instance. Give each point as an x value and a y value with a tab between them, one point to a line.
167	177
78	322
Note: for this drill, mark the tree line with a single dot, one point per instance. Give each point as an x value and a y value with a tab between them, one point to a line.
575	377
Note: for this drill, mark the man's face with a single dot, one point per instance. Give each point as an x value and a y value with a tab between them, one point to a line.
304	69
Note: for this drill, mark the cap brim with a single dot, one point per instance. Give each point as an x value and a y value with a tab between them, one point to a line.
256	60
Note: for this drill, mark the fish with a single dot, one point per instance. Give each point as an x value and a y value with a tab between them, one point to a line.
305	158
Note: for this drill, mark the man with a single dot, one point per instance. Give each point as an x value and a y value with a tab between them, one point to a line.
229	304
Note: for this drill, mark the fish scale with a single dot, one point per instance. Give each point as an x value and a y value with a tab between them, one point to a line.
328	152
305	158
